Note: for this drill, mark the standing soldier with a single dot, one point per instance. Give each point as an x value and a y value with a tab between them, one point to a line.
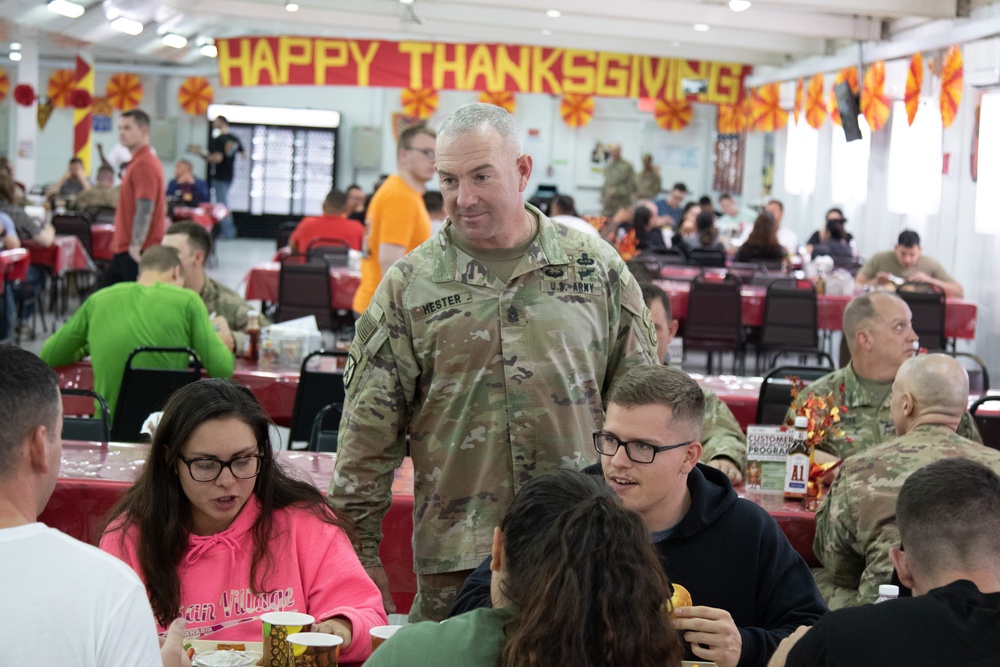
619	183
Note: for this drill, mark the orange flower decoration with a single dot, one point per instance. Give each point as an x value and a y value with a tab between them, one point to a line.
673	115
731	119
952	76
576	110
503	99
195	95
628	246
850	75
822	412
4	85
61	84
419	102
797	109
768	116
815	104
874	103
124	91
914	83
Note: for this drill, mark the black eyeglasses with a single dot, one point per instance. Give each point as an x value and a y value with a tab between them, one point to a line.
208	470
426	152
636	450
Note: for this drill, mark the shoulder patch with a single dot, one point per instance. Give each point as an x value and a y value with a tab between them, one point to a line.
368	323
349	367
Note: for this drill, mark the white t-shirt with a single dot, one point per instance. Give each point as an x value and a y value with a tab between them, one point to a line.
576	223
63	602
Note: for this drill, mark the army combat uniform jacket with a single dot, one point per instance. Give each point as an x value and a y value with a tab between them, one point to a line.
495	383
223	301
867	423
856	524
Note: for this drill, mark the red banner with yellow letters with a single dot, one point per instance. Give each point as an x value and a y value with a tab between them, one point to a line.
324	61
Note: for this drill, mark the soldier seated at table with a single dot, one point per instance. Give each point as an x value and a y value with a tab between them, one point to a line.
193	243
724	445
102	195
949	527
878	330
155	311
749	586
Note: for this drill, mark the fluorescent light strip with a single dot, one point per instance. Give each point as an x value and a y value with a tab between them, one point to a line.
209	51
66	8
174	40
236	113
127	26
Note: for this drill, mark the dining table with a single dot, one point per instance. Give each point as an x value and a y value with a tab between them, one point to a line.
14	265
65	254
100	239
262	282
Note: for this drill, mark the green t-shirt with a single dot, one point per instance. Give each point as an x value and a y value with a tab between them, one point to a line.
473	639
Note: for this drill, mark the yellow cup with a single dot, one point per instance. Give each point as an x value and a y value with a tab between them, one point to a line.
277	626
381	633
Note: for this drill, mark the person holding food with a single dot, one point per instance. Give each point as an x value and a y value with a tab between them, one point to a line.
906	261
575	580
216	528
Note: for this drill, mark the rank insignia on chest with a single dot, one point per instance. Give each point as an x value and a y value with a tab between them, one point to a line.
555	273
585	260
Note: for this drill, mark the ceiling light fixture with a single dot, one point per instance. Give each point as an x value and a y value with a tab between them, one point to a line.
291	6
15	46
202	40
209	51
174	40
15	56
701	27
739	5
70	10
546	31
406	2
127	26
553	13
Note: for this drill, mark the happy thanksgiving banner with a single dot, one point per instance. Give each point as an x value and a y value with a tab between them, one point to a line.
323	61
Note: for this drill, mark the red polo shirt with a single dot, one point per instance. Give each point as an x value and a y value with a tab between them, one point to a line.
143	180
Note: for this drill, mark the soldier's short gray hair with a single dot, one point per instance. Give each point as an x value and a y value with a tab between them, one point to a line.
473	117
948	514
661	385
860	310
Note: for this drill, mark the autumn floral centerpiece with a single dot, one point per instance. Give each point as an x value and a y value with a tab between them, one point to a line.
823	415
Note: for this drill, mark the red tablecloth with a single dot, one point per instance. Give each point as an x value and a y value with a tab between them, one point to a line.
92	478
262	283
960	315
100	237
66	254
206	214
14	265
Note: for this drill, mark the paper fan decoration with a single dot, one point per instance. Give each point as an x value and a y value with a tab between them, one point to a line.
504	99
4	85
673	115
850	75
768	116
815	102
874	103
952	75
124	91
914	83
797	109
195	95
419	102
61	84
731	119
102	107
576	110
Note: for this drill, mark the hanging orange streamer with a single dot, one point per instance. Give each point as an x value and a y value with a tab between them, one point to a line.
850	75
874	103
731	119
4	85
815	103
195	95
61	84
914	83
952	76
768	116
673	115
420	102
576	110
504	99
797	109
124	91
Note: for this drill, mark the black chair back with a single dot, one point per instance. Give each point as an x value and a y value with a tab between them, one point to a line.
714	317
803	354
77	225
708	257
326	428
336	252
96	428
304	289
145	390
745	271
321	382
987	423
284	233
776	391
927	304
979	376
101	215
790	317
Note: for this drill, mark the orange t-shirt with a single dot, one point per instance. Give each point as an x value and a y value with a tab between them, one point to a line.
143	180
396	215
333	227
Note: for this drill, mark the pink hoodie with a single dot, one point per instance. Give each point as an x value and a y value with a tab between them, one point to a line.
314	570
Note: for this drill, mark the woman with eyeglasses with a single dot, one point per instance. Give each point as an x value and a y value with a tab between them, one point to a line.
220	533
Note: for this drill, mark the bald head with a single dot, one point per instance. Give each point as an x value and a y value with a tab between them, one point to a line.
929	389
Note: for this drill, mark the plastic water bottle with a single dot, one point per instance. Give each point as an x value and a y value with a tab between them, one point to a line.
887	592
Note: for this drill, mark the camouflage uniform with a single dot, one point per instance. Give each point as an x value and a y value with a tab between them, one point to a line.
223	301
97	198
494	382
649	184
721	434
867	422
619	187
856	524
